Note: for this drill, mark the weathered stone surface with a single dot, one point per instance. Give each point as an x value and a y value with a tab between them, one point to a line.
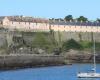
80	56
14	61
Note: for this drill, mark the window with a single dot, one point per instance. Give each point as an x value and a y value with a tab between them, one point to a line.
29	23
36	23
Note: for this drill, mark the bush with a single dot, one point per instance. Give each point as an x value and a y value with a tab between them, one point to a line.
72	44
89	45
43	41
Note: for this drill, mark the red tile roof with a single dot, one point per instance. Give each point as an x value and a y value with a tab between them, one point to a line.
27	19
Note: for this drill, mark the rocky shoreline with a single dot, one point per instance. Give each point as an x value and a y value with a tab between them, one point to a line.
17	61
24	61
74	56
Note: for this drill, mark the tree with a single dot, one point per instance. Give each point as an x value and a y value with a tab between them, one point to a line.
98	20
82	19
68	18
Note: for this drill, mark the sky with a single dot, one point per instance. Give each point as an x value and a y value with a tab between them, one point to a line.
51	8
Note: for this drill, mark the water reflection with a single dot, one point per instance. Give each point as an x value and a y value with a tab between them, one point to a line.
48	73
87	79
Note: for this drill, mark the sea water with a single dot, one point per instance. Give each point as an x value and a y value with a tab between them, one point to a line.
67	72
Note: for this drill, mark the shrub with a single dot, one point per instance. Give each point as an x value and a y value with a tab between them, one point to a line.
41	40
72	44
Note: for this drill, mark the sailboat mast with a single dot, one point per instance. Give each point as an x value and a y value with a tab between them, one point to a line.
94	53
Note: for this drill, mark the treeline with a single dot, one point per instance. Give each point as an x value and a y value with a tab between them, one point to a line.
69	18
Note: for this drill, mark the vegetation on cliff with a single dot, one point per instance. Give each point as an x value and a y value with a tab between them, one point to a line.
82	45
47	42
43	41
72	44
89	45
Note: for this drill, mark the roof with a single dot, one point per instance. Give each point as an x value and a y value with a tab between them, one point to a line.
1	18
75	23
27	19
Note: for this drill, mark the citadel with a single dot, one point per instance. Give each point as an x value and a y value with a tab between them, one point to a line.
23	23
62	30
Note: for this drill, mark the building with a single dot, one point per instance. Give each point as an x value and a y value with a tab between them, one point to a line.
23	23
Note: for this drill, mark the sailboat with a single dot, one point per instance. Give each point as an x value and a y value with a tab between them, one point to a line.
92	73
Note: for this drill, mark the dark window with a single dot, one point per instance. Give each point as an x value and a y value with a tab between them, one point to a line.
36	23
29	23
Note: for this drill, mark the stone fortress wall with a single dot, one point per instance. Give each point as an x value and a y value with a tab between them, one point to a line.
85	33
62	32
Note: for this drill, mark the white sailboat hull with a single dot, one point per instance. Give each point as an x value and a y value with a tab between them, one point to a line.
88	75
92	74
